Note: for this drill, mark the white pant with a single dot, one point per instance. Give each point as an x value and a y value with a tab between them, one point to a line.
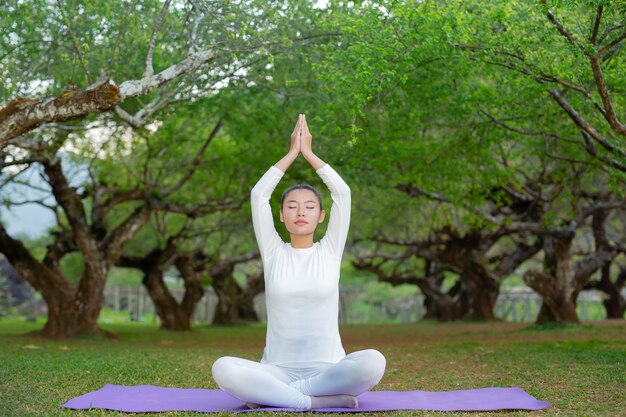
279	386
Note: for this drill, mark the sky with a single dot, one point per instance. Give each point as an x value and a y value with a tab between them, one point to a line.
32	220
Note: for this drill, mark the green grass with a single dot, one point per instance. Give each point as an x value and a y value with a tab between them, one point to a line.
581	370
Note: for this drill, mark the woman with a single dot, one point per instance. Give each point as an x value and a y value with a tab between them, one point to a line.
304	365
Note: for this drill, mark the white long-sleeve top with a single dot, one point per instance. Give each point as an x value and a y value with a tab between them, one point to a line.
302	285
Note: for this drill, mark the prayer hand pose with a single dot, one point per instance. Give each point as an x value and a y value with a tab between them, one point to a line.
304	365
301	142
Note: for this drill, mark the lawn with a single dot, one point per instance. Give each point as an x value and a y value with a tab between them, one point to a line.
581	370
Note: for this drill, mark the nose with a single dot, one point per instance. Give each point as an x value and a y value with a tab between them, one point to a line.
300	211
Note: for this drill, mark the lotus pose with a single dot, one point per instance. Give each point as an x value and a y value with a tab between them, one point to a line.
304	365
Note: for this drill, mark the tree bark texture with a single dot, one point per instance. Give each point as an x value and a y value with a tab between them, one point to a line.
174	315
23	114
235	304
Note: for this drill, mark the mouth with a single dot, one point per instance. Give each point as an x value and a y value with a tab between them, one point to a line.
301	222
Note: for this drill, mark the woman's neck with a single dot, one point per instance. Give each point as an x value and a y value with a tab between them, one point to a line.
301	241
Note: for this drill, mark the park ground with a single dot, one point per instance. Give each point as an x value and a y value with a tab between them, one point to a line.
580	370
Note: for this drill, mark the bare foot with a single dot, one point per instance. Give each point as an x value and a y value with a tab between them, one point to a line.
334	401
253	405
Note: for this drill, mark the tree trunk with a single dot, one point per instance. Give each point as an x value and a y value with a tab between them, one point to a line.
557	308
465	254
235	305
174	315
482	297
247	312
167	308
483	303
194	291
74	316
78	315
442	306
615	305
556	285
443	309
256	285
228	293
71	311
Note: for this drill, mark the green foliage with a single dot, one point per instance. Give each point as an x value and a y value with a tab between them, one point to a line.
441	95
124	276
72	266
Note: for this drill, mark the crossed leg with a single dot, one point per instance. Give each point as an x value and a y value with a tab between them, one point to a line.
355	374
257	383
335	386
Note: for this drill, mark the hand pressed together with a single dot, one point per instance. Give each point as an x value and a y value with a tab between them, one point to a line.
301	139
301	143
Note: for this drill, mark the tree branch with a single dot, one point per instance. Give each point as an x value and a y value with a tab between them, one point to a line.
145	85
40	202
195	162
559	26
414	191
36	273
611	44
100	209
114	243
609	113
72	205
63	244
197	210
608	31
525	132
583	124
148	70
22	115
511	261
596	26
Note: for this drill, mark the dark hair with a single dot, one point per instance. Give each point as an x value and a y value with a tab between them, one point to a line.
301	187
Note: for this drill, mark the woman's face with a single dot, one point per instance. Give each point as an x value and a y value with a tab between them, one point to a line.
301	212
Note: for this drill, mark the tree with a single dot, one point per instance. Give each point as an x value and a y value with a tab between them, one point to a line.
574	50
563	277
85	227
480	257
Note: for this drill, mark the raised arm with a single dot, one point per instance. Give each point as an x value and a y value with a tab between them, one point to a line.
267	237
339	223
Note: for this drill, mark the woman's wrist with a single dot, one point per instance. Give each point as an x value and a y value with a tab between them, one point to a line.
313	160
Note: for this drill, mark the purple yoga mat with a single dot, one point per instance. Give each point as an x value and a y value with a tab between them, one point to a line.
148	398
